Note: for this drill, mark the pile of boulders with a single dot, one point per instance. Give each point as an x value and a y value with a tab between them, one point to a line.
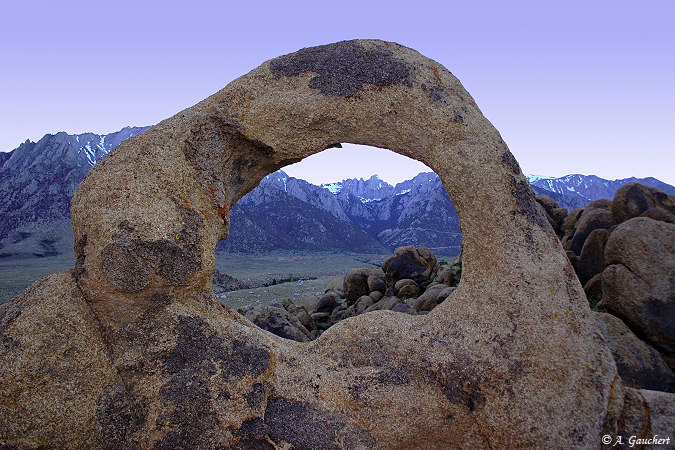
411	281
623	251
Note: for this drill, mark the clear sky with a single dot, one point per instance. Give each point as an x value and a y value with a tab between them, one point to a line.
573	87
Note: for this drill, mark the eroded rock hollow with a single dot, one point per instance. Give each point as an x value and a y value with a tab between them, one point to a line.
132	349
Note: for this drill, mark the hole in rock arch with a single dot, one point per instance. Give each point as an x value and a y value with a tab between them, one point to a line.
315	242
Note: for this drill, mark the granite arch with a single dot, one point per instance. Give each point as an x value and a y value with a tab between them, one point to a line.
514	360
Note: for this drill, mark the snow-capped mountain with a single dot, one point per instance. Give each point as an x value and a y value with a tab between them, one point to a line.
355	215
38	179
591	187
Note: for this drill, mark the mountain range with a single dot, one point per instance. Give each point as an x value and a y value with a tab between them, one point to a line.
38	179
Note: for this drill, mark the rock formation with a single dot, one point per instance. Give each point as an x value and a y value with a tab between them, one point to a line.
132	349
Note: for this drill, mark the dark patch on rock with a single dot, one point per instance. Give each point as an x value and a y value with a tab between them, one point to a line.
246	359
79	257
129	263
343	68
125	226
438	94
257	396
7	343
393	376
197	344
193	222
458	386
9	312
126	263
356	390
307	426
199	354
252	428
119	415
176	264
192	421
511	163
524	196
252	435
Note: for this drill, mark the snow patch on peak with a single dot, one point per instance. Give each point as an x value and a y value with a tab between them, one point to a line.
534	178
334	188
91	157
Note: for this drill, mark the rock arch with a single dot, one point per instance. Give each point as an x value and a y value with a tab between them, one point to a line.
513	360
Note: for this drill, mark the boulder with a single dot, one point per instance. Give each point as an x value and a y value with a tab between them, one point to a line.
338	314
409	291
446	275
337	285
432	297
637	285
546	202
638	364
573	259
405	309
404	282
356	282
633	199
661	214
376	296
304	318
558	215
362	304
593	290
289	306
567	226
320	317
642	410
385	303
279	322
310	303
592	256
418	264
326	303
597	215
376	284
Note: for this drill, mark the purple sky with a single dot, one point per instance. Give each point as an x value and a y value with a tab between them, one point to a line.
573	87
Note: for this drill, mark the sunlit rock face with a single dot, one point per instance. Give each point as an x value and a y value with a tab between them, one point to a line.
131	348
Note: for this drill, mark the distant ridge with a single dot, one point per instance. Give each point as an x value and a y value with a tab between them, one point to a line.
38	179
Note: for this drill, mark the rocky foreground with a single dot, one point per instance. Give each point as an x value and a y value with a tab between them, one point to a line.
623	250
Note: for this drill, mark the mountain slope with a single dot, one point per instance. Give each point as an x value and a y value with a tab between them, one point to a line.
270	218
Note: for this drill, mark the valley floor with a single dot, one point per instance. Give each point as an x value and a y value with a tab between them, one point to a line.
267	274
16	273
